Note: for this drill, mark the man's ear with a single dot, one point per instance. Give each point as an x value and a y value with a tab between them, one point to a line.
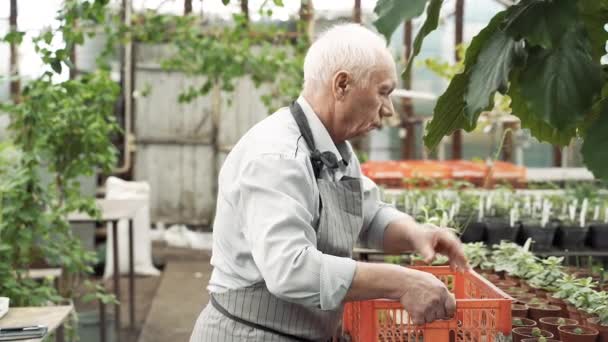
342	83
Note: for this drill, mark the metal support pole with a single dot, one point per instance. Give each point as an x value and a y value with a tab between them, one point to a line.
457	136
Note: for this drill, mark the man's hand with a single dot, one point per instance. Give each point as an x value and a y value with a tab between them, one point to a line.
426	298
428	240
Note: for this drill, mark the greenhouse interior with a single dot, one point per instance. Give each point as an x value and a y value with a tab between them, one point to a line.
304	170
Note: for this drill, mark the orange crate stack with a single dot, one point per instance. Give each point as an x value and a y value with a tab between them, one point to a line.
385	173
507	172
465	170
483	311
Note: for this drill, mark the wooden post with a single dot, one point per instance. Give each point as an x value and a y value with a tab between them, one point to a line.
457	136
245	9
306	19
508	144
357	12
187	7
557	156
15	85
407	122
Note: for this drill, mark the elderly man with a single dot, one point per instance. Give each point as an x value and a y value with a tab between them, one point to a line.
292	202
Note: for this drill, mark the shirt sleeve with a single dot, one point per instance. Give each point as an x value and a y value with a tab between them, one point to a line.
377	215
278	202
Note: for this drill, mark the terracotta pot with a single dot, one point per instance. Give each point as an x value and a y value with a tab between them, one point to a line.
573	312
526	332
535	339
558	302
517	322
566	333
525	298
516	291
552	323
519	310
585	317
603	329
505	284
514	279
417	262
540	293
538	311
494	278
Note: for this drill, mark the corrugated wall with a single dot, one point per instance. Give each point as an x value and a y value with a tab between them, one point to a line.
179	151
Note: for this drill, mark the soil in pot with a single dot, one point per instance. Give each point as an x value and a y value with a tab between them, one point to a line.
594	322
521	333
498	229
598	235
526	298
577	333
473	231
517	322
543	294
571	237
552	323
519	310
538	311
494	278
505	284
542	237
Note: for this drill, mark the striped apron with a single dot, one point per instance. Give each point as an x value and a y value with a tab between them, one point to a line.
255	314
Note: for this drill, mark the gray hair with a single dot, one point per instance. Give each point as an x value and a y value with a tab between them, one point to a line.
349	47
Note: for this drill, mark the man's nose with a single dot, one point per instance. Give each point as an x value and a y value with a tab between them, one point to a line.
387	109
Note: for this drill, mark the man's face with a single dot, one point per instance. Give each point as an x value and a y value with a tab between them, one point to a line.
361	109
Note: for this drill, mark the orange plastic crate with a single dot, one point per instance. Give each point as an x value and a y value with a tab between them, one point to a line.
482	311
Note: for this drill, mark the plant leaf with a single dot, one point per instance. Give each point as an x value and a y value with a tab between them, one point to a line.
540	22
595	146
391	13
430	24
56	65
489	74
539	129
448	115
594	14
449	110
560	85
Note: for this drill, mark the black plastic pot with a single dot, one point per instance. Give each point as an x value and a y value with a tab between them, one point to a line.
498	229
572	238
541	236
598	236
473	231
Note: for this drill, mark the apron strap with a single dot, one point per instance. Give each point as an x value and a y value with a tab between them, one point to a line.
317	158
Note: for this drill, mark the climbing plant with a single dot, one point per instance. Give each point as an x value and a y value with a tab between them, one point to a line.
62	129
544	54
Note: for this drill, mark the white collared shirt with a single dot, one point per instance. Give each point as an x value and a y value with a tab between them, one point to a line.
267	206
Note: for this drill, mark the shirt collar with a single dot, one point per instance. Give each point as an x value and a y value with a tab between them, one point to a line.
321	136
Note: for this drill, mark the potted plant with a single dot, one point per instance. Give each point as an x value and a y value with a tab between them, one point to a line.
521	333
541	234
519	310
577	333
477	254
538	311
570	234
552	323
598	235
517	322
600	322
582	298
545	281
539	339
566	287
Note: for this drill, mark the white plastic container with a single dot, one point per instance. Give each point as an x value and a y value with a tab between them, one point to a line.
4	302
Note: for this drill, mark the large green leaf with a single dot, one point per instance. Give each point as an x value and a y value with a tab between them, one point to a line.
391	13
430	24
449	112
594	14
489	74
595	146
540	22
448	115
539	128
560	85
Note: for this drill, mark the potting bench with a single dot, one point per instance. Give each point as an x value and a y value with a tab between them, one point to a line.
52	317
113	211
